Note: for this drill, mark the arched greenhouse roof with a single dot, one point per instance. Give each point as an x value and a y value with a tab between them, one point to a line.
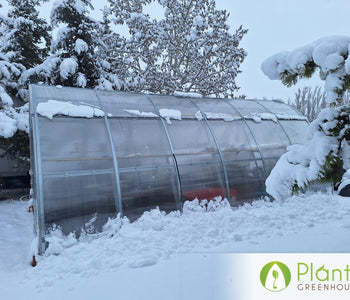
98	153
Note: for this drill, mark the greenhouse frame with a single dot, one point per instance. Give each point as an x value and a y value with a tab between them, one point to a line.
96	154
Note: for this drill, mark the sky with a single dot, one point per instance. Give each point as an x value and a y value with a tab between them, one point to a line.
274	26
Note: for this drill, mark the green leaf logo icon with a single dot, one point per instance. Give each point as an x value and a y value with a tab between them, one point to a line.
275	276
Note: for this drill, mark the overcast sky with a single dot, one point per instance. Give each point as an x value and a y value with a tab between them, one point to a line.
274	26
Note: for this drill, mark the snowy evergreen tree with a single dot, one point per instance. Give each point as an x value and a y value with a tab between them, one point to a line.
74	60
25	38
326	156
189	50
24	43
28	36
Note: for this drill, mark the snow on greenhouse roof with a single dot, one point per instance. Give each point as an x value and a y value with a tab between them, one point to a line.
53	107
91	103
136	112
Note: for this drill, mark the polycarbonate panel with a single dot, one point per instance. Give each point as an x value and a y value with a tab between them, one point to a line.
145	189
204	180
199	163
277	107
117	104
270	137
140	142
73	201
246	179
74	144
83	96
216	106
146	166
243	162
248	108
297	130
236	131
188	110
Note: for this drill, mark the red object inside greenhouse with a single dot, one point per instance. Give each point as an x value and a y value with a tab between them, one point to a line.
208	194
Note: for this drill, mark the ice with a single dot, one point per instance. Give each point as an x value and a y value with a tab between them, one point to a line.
168	114
53	107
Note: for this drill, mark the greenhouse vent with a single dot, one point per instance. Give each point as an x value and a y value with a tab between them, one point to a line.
95	154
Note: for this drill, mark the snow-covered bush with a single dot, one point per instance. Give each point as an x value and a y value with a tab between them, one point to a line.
325	157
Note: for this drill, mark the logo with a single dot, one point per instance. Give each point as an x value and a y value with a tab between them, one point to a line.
275	276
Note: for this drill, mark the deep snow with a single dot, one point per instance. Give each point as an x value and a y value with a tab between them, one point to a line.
140	260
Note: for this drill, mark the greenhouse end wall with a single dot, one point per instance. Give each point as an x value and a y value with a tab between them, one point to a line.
95	154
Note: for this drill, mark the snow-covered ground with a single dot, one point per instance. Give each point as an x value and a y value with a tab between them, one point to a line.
142	260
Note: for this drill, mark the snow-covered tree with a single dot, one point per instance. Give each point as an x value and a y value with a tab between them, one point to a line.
23	44
28	35
73	60
14	122
189	50
109	60
326	156
25	38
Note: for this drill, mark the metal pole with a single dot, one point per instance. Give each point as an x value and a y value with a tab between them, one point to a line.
252	133
218	147
118	195
179	188
38	167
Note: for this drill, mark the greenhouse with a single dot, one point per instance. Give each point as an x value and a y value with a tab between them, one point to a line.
96	154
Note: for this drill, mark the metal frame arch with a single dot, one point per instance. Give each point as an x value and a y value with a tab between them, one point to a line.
218	147
39	181
252	134
278	121
118	196
178	178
